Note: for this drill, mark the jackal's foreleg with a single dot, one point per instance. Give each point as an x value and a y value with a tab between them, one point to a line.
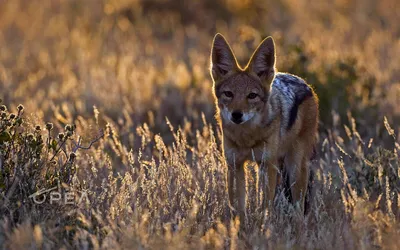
236	175
268	180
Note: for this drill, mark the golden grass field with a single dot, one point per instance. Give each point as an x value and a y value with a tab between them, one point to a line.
133	77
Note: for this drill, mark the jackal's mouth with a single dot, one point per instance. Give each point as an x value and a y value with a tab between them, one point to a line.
236	117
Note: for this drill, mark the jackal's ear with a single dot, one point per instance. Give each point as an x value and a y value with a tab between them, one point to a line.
262	61
222	58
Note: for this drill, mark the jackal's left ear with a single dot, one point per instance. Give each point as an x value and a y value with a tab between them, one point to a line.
262	62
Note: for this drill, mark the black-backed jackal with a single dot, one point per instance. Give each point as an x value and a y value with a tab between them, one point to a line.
265	116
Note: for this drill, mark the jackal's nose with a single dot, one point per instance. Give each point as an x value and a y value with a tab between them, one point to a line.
237	117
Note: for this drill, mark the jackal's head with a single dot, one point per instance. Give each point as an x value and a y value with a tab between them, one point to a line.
242	93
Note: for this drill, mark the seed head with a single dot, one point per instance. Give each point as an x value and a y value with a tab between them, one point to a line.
3	108
12	116
20	107
49	126
61	136
68	127
30	136
38	128
72	156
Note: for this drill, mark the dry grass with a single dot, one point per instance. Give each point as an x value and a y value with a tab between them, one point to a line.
138	70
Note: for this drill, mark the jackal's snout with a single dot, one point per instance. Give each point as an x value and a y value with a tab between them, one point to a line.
237	116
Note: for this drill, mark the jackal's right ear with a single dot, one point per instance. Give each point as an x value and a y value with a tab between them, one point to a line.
262	62
222	58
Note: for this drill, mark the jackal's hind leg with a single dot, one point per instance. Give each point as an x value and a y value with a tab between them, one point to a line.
298	171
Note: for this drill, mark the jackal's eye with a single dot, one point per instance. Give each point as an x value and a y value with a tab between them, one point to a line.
228	94
252	96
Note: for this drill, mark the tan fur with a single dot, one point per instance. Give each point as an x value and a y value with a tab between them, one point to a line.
262	138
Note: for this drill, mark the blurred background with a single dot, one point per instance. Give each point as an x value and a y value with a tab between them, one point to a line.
138	70
148	59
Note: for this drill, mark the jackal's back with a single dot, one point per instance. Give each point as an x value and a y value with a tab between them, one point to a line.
290	91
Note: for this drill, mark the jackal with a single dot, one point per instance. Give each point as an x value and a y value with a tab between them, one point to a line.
267	117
